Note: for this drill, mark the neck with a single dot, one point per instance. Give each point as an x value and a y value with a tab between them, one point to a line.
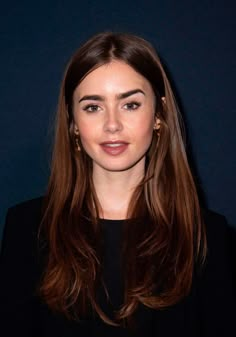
114	191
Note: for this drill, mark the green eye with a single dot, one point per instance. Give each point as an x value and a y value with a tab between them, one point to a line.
91	108
132	106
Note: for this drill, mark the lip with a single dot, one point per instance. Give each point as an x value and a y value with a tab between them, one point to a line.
114	148
114	142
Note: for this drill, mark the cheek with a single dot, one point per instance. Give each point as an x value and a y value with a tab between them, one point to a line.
86	132
86	137
144	128
87	143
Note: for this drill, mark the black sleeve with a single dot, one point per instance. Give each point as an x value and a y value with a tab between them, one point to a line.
217	279
18	308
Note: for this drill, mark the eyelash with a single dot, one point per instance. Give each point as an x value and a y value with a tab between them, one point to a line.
89	106
137	105
95	107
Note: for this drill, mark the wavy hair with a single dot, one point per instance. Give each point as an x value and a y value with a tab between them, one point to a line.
159	256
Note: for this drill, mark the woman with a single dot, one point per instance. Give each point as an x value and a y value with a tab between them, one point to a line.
119	246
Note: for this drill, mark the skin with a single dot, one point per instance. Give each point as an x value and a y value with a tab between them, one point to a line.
102	113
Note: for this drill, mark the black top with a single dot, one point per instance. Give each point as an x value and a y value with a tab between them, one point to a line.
208	310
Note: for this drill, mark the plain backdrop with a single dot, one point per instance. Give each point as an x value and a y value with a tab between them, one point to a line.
196	40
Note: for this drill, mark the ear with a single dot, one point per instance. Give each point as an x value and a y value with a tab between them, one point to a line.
157	124
76	130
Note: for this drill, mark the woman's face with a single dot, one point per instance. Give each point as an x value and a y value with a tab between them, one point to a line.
114	112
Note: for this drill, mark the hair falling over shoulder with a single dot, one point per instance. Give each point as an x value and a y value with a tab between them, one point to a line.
163	244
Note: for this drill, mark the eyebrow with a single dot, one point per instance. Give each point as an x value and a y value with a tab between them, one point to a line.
119	96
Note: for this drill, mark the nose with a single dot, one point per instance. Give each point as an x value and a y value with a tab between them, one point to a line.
113	121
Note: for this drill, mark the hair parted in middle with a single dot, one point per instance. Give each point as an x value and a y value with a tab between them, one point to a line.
164	234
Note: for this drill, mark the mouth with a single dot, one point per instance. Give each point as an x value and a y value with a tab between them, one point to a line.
114	148
113	144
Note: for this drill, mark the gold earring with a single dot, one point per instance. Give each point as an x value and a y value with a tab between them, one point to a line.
156	128
77	140
77	144
157	132
157	125
76	131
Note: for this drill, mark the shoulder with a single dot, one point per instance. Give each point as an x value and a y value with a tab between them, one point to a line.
221	250
218	230
28	207
29	211
20	263
217	277
219	233
22	221
221	237
214	221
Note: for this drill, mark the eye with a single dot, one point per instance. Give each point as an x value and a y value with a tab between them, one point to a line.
132	105
91	108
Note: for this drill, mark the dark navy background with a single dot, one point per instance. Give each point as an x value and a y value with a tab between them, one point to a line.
195	38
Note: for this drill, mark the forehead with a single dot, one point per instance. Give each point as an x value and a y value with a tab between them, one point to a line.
113	76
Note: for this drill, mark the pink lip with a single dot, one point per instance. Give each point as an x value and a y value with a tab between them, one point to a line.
115	149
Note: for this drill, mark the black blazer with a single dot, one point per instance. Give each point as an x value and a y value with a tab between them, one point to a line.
209	309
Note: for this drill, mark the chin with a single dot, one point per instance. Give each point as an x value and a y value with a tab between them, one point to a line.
116	168
122	167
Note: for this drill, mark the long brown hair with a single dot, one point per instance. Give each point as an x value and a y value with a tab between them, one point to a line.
167	235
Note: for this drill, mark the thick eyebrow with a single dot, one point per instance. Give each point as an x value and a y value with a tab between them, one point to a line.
119	96
130	93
